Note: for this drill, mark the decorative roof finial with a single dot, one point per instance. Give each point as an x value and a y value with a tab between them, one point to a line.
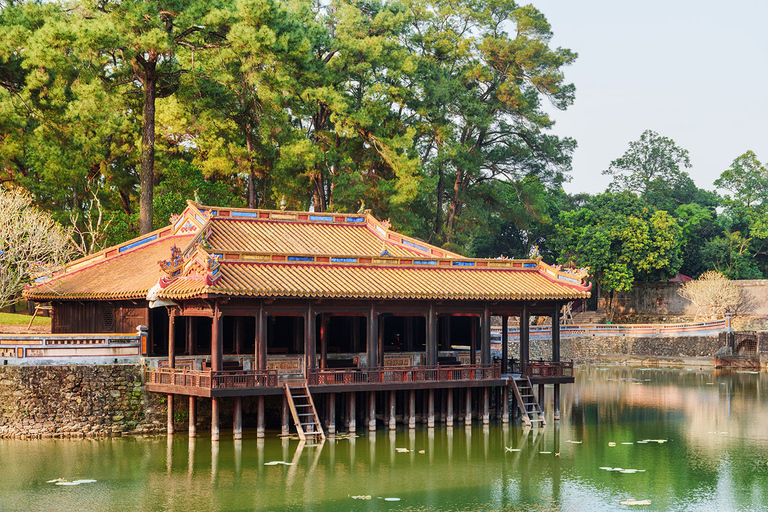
282	203
362	207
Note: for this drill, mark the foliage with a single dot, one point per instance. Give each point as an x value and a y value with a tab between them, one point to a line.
713	294
31	242
620	240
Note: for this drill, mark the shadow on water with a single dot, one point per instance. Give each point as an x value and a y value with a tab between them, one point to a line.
695	439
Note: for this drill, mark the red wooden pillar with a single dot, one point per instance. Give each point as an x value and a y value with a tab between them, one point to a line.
237	421
372	338
216	339
192	416
310	340
261	339
504	344
485	337
449	408
431	336
214	419
473	340
323	340
261	419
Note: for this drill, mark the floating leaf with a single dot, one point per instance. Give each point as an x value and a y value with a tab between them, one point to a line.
361	497
627	443
512	449
635	502
574	442
546	453
422	452
391	499
277	462
402	450
611	444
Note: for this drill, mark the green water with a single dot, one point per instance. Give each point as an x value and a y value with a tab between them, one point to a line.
715	458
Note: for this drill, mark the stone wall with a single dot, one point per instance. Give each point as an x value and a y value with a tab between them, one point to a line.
590	348
76	401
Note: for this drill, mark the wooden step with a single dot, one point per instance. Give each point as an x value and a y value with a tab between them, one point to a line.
527	402
309	412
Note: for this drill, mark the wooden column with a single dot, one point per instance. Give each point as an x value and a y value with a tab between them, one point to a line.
324	340
216	339
214	419
449	408
541	396
352	413
237	420
473	340
191	333
310	340
505	404
261	339
192	416
485	337
371	411
171	363
392	410
486	406
411	408
332	413
524	337
239	334
286	422
431	408
431	351
468	415
261	417
556	356
504	344
372	338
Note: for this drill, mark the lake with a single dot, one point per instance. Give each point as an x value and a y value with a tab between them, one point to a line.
697	439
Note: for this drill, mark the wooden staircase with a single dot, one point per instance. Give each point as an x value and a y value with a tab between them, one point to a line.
303	411
526	400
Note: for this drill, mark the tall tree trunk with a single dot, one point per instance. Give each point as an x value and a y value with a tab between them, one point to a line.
454	209
318	193
439	205
147	180
251	172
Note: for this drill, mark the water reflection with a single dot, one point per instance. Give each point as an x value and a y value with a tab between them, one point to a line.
714	456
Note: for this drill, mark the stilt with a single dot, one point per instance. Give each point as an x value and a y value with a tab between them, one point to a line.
214	419
192	416
170	414
468	414
412	409
237	420
541	396
486	406
286	419
261	417
505	405
556	402
431	408
449	408
371	411
392	410
352	413
332	413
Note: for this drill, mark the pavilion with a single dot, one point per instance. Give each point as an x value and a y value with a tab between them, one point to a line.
242	302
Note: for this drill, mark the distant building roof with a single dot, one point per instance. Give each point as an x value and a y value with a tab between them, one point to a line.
269	253
680	278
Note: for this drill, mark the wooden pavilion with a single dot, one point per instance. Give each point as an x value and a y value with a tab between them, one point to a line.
243	302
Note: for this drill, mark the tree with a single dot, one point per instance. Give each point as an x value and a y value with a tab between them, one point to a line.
621	240
713	294
483	72
31	242
746	179
652	166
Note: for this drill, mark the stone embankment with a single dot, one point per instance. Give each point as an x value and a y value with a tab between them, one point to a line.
77	401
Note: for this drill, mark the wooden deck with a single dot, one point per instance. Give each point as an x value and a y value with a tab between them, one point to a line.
208	383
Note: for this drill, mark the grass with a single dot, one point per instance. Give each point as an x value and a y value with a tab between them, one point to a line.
15	319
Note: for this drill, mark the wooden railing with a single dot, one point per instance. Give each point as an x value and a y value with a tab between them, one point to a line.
391	375
208	379
542	368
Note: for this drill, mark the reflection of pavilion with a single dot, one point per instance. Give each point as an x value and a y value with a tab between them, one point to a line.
255	299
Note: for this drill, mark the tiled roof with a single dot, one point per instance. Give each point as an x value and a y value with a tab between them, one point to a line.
375	282
264	253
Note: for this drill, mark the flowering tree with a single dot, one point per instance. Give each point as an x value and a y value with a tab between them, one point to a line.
31	242
713	294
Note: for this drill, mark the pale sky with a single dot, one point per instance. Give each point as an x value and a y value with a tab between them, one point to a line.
694	71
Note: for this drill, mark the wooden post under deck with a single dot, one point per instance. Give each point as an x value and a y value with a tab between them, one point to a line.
286	422
371	411
541	396
352	413
486	406
411	409
332	413
468	415
392	410
169	405
505	404
431	408
192	416
261	418
214	419
237	420
449	408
